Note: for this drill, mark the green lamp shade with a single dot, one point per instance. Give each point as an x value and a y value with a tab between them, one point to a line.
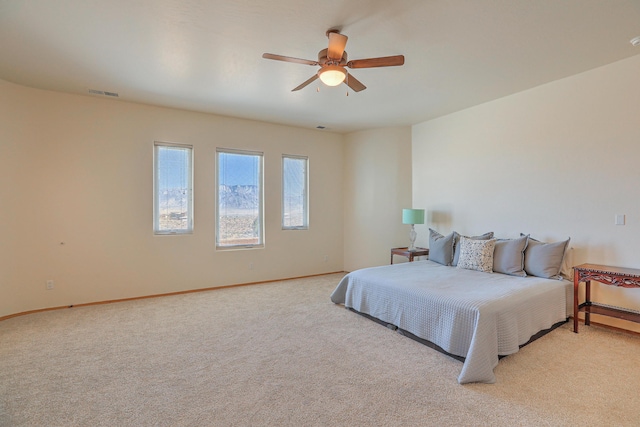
413	216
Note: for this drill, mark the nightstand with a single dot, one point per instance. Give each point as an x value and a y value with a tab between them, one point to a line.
616	276
405	252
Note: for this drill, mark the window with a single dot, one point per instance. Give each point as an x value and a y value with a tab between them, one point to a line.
173	188
239	221
294	193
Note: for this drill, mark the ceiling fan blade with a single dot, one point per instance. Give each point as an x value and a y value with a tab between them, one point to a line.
337	43
288	59
311	80
354	83
385	61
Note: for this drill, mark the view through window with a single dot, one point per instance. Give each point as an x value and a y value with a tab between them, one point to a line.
294	193
173	200
239	221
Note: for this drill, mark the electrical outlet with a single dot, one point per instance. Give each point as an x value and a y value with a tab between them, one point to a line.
250	266
326	258
49	285
619	219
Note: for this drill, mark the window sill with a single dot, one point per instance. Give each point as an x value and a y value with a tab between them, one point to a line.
239	247
172	233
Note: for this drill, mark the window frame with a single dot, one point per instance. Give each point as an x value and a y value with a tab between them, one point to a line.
305	206
261	234
156	186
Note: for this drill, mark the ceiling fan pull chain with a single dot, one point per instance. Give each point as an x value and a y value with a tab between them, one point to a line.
347	82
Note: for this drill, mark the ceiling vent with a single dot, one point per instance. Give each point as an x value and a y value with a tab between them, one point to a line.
103	93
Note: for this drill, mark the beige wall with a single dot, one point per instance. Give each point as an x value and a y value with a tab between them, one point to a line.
556	161
79	170
377	186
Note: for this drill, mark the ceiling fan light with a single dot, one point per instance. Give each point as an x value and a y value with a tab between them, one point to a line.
332	75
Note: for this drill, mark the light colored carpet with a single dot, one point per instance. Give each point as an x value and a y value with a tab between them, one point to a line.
281	354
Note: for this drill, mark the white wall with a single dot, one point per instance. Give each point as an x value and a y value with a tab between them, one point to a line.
556	161
377	186
79	170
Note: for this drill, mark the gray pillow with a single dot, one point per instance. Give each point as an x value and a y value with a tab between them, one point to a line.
544	259
440	247
508	256
456	243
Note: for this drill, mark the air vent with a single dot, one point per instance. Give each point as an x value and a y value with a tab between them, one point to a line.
102	93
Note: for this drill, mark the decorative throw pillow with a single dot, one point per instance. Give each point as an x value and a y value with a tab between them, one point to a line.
456	243
544	259
440	247
476	254
508	256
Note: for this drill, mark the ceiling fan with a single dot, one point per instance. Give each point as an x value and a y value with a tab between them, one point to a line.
333	60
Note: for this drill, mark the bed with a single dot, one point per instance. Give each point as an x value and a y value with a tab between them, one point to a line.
479	316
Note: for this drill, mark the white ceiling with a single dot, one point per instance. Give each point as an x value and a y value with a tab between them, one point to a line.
205	55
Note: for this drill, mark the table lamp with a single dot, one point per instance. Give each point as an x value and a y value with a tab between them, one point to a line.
412	216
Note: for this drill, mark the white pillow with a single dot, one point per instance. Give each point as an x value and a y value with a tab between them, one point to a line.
566	271
476	254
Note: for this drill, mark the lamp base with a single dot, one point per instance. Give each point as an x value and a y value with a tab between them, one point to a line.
412	238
